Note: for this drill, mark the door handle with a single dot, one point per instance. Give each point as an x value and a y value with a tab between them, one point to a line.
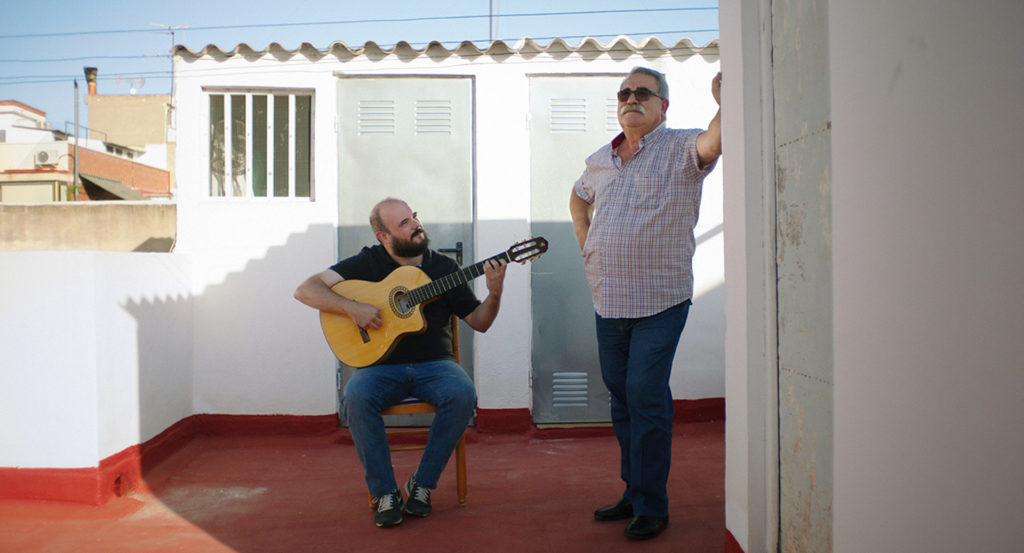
457	250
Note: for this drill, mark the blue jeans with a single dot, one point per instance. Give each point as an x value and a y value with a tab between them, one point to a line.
443	384
636	361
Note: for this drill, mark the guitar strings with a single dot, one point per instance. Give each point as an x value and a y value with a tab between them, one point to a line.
437	287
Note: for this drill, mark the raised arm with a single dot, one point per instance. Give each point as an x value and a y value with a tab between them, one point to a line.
316	292
709	143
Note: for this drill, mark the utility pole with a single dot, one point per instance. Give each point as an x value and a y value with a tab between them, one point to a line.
171	121
74	183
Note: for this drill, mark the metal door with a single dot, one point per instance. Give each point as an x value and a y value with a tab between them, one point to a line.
410	138
571	116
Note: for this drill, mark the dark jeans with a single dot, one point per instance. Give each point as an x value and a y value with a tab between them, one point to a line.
636	361
443	384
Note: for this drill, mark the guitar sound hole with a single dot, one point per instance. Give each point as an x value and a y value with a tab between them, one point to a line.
401	303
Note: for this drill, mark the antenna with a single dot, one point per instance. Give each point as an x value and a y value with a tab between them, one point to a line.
170	29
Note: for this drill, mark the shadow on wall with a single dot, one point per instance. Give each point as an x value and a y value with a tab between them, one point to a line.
243	346
252	348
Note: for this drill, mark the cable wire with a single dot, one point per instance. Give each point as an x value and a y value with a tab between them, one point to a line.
356	22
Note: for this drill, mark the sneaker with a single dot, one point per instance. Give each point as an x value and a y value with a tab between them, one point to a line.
419	499
389	510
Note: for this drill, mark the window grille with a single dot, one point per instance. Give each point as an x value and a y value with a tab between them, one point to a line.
261	143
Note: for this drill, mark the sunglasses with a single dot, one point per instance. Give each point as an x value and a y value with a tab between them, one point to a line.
642	94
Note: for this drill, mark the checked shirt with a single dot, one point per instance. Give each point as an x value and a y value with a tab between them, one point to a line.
639	249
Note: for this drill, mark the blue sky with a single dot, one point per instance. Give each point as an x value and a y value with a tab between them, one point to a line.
44	44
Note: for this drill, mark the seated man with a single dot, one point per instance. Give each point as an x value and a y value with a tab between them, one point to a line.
420	365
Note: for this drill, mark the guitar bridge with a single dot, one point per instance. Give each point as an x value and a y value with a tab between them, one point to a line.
365	335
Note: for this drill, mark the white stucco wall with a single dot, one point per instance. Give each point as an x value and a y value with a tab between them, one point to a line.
751	456
23	125
926	198
96	354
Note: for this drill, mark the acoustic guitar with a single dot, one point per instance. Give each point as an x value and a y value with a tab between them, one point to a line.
400	298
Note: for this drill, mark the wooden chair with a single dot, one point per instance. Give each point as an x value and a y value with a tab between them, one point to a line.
413	406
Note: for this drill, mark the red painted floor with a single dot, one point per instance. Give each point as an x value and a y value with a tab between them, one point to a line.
306	494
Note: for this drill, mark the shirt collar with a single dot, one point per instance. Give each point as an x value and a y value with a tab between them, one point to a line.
649	136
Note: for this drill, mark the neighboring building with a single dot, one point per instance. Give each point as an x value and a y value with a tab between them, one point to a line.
43	172
137	126
33	164
127	154
38	200
37	163
23	123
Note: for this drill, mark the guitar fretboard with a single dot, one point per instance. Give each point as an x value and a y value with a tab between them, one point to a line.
437	287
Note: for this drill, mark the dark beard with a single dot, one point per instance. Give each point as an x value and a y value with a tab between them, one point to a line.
408	248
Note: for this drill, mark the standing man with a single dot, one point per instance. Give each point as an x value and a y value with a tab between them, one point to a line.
633	210
420	365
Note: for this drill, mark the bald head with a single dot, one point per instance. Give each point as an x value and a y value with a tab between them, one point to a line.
376	221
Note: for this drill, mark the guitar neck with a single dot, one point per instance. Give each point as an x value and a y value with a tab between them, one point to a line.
437	287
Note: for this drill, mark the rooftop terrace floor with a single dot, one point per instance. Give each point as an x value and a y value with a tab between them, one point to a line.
304	494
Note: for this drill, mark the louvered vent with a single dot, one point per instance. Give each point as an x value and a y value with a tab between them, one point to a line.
376	117
569	389
611	119
433	117
568	115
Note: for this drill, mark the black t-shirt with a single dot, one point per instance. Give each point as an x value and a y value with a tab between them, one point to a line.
374	264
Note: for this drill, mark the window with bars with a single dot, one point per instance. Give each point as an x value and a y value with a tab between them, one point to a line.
261	143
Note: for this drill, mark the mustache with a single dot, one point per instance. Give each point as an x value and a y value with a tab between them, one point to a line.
417	232
633	107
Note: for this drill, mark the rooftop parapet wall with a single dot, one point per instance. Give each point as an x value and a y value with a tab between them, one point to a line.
104	226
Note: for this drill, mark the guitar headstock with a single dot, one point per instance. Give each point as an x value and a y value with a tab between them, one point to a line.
527	250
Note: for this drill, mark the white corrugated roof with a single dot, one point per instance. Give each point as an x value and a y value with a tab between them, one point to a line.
525	47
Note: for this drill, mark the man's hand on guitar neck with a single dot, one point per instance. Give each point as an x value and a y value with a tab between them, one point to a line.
494	272
484	314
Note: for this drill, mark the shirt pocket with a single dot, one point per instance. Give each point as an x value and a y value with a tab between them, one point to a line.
649	192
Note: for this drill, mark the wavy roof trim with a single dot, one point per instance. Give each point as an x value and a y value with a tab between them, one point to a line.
588	48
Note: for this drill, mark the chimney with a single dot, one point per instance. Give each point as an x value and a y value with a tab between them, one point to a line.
90	77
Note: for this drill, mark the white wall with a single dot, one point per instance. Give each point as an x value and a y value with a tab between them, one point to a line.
927	193
244	249
751	456
96	354
698	370
927	203
257	350
23	125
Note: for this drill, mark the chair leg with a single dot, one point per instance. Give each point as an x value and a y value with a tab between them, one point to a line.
460	469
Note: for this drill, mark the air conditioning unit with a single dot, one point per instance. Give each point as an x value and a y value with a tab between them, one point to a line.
46	157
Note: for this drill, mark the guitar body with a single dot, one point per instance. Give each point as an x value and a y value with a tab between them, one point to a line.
357	347
400	311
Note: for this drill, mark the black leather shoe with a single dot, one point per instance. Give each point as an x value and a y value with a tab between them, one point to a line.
644	527
620	510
